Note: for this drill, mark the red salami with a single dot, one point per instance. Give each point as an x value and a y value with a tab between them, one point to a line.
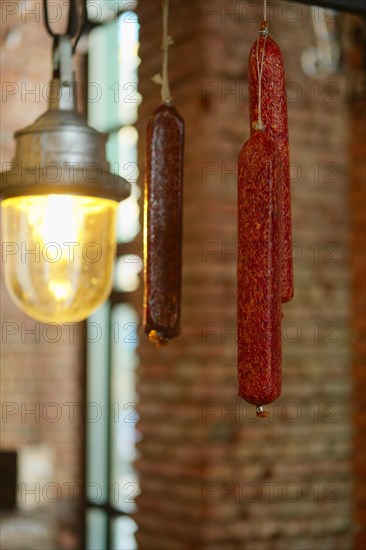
274	117
259	270
163	224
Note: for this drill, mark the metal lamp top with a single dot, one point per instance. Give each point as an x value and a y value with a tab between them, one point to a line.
59	153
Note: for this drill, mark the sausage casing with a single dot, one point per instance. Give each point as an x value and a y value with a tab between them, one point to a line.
259	314
274	117
163	224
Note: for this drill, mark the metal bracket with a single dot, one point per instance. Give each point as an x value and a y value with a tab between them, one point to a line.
63	84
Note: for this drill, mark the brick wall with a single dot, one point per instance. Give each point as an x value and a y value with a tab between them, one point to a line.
211	475
41	366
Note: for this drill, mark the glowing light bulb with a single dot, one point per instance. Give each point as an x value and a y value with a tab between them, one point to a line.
58	254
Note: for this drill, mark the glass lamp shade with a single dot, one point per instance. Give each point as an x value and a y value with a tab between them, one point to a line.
59	209
58	254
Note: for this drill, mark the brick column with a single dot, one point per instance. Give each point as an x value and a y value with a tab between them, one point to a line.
211	475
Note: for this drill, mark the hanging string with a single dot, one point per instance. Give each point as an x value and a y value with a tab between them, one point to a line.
167	41
263	32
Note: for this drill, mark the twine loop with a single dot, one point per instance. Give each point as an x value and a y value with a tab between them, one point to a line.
167	41
263	33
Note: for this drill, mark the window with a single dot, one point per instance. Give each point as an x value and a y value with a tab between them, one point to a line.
111	332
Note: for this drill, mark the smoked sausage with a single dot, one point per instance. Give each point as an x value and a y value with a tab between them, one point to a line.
274	117
163	224
259	315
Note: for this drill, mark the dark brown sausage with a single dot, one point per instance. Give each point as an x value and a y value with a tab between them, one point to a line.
259	271
274	116
163	224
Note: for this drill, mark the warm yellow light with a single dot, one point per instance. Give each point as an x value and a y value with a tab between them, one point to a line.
58	254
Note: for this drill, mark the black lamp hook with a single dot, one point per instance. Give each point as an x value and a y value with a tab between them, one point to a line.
75	26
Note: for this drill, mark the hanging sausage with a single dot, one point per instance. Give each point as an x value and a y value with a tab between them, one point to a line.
259	271
274	116
163	213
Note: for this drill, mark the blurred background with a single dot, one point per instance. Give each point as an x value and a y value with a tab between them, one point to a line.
108	443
